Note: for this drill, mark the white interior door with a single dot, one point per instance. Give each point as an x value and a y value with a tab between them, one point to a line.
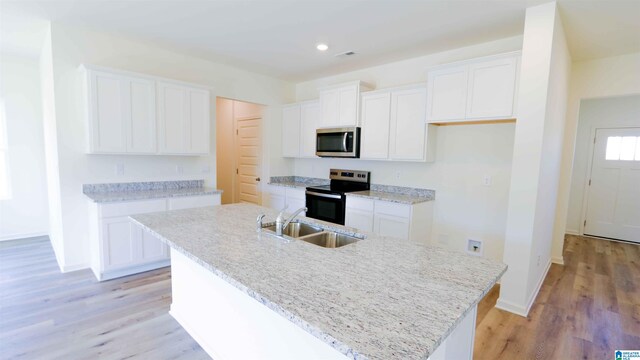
613	203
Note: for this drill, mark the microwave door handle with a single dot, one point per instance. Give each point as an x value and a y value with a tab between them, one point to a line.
344	141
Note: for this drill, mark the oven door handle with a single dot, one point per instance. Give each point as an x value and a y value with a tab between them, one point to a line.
331	196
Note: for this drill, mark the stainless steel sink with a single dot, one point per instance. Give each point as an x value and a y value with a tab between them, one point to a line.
329	239
296	229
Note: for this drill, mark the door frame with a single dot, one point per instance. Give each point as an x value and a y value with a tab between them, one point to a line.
590	153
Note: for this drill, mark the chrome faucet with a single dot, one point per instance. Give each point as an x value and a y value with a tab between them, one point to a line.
281	222
259	222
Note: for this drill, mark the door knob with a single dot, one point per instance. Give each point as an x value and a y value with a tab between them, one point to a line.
257	179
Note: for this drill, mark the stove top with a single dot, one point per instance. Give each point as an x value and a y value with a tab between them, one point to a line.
344	181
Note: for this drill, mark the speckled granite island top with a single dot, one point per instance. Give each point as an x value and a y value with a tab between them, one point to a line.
379	298
132	191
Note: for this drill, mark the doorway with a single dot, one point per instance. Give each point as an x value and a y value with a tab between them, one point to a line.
239	150
613	200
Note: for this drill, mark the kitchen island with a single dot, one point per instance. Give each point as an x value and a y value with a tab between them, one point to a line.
242	293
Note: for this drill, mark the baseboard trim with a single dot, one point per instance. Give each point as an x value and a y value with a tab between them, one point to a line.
23	235
519	309
74	267
571	232
557	260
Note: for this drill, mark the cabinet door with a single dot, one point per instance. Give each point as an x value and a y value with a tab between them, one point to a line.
491	89
359	219
295	199
390	225
151	248
141	104
407	126
199	119
376	109
309	118
329	108
118	247
348	106
274	197
107	113
447	94
172	116
291	131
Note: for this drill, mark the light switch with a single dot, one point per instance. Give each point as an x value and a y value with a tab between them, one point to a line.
486	180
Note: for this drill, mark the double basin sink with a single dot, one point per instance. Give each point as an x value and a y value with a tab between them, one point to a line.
314	235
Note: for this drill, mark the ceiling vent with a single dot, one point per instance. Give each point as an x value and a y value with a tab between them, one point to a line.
345	54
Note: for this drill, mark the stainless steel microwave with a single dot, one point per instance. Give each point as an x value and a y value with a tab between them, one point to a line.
338	142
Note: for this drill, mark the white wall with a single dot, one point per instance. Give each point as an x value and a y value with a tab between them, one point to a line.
608	77
543	91
464	208
71	47
25	214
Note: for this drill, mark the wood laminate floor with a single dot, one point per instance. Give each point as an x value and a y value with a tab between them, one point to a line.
585	310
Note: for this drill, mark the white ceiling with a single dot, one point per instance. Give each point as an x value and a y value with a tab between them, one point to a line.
278	37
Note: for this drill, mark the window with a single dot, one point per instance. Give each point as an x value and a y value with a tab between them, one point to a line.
5	186
623	148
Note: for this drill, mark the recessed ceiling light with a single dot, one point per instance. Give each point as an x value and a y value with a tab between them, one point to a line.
322	47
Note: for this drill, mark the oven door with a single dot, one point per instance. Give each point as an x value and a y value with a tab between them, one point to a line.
327	207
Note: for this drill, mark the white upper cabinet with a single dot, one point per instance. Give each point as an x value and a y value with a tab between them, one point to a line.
447	93
393	125
309	118
376	110
407	126
491	89
291	131
480	89
339	105
183	117
131	114
121	111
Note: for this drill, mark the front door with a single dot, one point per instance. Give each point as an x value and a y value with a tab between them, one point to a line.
613	202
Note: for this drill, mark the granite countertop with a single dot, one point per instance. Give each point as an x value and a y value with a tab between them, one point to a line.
391	196
378	298
299	182
118	192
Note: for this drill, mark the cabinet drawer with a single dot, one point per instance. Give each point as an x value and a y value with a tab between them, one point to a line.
298	194
132	208
276	190
188	202
395	209
359	203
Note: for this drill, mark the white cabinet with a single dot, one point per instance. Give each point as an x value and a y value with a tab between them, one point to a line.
339	104
299	124
121	113
291	131
403	221
121	247
393	125
376	116
478	89
491	89
277	197
407	127
138	114
183	117
309	118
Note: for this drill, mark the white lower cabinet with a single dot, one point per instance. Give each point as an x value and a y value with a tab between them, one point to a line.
121	247
385	218
277	197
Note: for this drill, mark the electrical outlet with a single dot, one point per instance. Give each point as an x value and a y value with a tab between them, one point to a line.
397	175
486	180
474	247
120	169
179	169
